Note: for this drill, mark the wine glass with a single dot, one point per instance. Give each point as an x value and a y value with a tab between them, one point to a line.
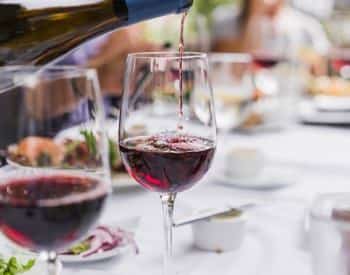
176	139
57	179
270	52
233	87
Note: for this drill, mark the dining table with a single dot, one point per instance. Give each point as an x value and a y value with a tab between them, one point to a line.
276	240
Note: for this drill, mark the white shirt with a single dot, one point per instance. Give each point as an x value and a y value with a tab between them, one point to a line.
298	28
302	30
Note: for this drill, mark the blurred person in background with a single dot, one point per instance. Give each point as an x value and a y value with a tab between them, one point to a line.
107	54
273	25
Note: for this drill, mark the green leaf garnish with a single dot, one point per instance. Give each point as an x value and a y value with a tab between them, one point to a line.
90	142
14	267
28	265
113	152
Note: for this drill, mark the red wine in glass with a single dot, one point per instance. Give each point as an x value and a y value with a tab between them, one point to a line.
266	60
49	212
167	163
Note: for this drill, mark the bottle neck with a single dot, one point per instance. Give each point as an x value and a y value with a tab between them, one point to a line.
37	31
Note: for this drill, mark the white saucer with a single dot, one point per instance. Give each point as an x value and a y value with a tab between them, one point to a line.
272	177
309	113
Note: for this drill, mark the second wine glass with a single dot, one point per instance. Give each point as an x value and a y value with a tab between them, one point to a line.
165	145
57	180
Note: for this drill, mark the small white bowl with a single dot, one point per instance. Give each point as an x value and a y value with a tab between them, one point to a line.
244	163
219	234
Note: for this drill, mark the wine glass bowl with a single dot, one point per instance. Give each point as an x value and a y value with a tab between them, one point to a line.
48	211
57	180
175	150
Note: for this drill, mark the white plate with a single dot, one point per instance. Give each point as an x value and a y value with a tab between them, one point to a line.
13	164
96	257
332	103
129	224
271	177
309	113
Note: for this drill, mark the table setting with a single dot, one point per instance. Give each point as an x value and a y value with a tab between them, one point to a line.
256	211
132	156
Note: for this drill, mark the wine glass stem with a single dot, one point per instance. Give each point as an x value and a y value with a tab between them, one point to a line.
168	210
51	259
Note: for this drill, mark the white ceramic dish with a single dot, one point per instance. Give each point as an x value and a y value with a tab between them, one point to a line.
219	234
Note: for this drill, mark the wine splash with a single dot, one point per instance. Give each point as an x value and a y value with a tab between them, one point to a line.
181	54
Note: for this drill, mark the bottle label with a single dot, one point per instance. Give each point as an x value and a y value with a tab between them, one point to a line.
145	9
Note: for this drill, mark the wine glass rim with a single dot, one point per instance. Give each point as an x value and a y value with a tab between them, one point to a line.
230	57
168	55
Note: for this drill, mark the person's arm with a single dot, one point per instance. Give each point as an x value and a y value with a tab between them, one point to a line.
110	62
107	55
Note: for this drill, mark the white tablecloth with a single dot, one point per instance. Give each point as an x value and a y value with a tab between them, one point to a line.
274	243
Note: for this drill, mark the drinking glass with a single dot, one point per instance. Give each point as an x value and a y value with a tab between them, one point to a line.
165	149
274	76
268	56
57	178
330	234
233	88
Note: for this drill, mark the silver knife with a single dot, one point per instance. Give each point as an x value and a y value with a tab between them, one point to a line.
212	213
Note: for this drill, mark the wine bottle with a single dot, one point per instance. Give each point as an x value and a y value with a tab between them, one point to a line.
39	31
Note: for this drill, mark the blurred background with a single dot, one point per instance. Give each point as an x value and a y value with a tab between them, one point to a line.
273	61
298	49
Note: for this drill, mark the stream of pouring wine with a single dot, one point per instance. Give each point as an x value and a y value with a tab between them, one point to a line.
181	54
